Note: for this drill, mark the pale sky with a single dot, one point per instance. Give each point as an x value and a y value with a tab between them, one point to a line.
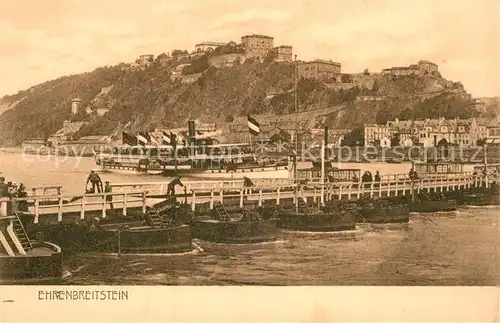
45	39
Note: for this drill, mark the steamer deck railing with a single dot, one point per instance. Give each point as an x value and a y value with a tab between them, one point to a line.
234	191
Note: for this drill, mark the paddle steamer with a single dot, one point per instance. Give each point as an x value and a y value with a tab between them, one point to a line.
225	161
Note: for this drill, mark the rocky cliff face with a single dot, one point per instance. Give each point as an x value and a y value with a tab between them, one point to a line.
148	97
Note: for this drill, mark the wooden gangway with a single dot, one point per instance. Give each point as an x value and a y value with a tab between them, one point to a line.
210	193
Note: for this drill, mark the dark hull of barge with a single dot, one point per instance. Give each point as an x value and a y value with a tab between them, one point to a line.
433	206
385	214
114	234
477	197
41	266
234	231
321	221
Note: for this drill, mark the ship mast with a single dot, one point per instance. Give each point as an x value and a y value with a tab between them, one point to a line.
296	125
296	134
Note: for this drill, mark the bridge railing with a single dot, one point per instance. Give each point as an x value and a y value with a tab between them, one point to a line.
329	191
161	187
84	203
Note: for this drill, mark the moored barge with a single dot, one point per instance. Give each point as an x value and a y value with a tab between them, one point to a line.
381	211
244	227
25	261
334	217
152	232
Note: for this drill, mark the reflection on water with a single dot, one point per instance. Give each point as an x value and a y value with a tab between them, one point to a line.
454	250
461	250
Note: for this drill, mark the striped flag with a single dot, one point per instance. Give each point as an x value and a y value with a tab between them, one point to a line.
253	126
153	139
165	137
143	138
128	139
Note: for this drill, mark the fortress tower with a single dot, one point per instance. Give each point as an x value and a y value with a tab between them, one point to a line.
76	104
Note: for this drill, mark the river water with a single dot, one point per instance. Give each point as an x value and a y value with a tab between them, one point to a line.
461	249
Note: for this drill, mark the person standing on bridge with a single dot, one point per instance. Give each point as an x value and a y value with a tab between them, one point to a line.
96	182
377	179
172	184
109	198
4	188
4	192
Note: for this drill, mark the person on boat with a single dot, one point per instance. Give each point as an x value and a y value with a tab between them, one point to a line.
4	188
109	198
9	188
247	182
96	182
413	174
4	192
172	184
21	192
13	190
355	178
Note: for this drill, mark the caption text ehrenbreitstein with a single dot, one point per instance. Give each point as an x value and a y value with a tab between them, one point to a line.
82	295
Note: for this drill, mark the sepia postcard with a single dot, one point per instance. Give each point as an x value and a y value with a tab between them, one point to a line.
249	161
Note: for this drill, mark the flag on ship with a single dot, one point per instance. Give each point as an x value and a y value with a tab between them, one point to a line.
182	138
173	139
165	138
153	139
128	139
143	138
253	126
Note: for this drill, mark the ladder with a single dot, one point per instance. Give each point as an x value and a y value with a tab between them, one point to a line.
221	211
154	216
21	233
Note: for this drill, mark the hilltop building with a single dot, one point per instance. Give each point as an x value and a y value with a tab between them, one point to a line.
207	46
145	60
427	67
257	45
283	53
321	70
422	68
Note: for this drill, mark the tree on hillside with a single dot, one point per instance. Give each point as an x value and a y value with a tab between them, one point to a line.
257	107
229	48
271	56
352	94
305	87
346	78
177	52
249	61
384	114
366	72
375	86
406	114
354	138
197	66
81	115
162	56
